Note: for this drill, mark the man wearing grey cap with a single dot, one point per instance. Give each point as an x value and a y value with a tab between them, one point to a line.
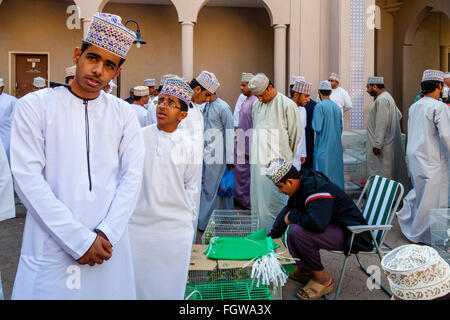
446	93
327	123
277	131
385	152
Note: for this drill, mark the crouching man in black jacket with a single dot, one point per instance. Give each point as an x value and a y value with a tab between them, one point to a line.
317	213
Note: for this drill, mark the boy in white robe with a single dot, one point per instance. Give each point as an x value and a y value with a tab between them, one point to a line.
77	157
162	225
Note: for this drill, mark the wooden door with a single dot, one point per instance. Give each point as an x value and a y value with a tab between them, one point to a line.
28	67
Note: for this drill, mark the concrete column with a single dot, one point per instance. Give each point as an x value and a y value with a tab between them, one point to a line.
280	57
444	58
294	35
187	49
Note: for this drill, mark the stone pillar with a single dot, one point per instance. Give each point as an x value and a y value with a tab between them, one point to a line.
280	57
444	58
187	49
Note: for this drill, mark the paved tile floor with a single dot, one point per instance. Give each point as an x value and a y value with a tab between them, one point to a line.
354	285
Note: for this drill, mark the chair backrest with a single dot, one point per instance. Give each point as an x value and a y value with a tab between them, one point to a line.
383	198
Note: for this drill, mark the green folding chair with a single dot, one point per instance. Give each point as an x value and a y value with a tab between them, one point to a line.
383	199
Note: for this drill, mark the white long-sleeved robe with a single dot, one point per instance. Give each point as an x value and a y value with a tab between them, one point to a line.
277	131
142	114
70	192
384	132
6	110
301	149
162	225
237	108
192	126
427	155
151	112
7	206
341	97
218	152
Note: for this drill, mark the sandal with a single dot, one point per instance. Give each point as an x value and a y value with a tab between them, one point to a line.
299	275
314	290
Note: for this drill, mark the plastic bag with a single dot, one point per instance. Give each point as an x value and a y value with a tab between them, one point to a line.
226	185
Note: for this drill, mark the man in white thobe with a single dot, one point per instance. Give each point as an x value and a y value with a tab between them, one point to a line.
39	83
446	93
339	95
385	152
140	101
162	225
427	155
218	154
151	106
6	110
237	109
277	131
77	159
301	95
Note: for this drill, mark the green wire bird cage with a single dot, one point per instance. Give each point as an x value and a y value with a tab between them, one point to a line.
226	280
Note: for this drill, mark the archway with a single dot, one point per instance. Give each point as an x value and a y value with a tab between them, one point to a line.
231	40
425	47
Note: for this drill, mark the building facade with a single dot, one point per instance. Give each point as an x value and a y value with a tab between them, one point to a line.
278	37
412	36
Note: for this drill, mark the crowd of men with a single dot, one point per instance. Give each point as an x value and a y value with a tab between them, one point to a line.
118	190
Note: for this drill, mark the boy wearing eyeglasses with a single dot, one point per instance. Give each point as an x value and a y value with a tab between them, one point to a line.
162	225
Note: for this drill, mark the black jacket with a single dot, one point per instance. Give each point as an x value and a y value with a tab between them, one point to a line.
319	202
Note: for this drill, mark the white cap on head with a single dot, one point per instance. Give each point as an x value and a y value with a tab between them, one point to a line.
150	82
70	71
246	77
258	83
141	91
375	80
302	86
334	76
209	81
1	82
294	79
433	75
39	82
325	85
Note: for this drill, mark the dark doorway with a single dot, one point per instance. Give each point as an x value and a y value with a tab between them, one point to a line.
28	67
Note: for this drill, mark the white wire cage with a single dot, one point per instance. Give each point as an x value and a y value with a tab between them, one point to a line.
229	283
440	232
230	223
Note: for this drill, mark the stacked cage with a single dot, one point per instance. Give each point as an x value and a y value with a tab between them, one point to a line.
440	232
355	169
230	223
224	281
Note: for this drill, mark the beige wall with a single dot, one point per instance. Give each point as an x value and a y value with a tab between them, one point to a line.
229	41
385	50
162	53
37	26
